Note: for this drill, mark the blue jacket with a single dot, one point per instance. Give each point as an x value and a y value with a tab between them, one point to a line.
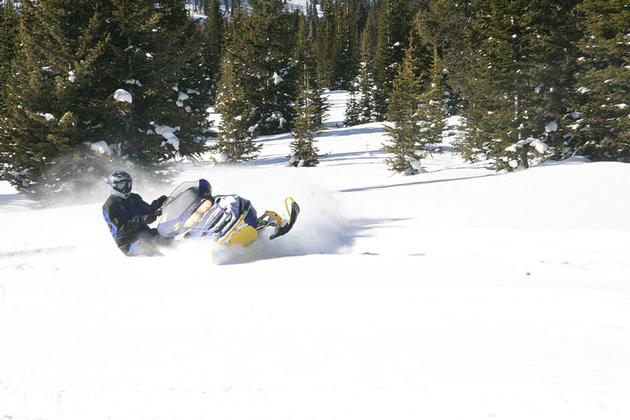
128	217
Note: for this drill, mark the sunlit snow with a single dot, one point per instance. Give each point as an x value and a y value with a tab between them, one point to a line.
459	293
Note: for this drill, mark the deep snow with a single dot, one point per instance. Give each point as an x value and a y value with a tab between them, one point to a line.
456	294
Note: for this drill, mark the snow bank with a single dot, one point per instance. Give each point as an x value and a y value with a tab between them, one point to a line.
392	297
121	95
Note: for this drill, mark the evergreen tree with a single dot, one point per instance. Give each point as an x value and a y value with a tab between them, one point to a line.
214	43
433	105
360	107
365	80
446	24
234	102
263	51
405	131
515	99
325	44
8	44
369	33
344	65
353	112
305	129
603	125
307	67
393	30
157	48
55	73
74	57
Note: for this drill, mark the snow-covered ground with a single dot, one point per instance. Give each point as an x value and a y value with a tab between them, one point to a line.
456	294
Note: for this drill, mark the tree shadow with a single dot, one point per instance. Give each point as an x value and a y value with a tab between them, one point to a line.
350	131
16	201
434	181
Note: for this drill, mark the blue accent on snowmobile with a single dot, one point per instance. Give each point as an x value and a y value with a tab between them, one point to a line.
205	190
215	223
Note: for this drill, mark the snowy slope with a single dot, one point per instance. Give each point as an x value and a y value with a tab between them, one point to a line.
455	294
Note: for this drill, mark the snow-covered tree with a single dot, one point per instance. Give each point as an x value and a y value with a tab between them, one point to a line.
86	72
261	48
602	111
516	101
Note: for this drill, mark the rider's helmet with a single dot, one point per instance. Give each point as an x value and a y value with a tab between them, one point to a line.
120	183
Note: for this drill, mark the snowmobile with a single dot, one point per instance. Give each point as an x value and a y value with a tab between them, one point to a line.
192	212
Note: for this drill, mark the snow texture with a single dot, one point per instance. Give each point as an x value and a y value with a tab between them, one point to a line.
168	133
121	95
551	126
459	293
101	147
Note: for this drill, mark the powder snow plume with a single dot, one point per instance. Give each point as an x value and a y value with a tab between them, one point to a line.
321	227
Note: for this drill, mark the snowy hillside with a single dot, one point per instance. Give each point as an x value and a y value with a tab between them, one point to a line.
456	294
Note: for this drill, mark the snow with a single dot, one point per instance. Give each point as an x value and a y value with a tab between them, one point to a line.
47	116
101	147
277	79
459	293
551	126
168	133
121	95
539	145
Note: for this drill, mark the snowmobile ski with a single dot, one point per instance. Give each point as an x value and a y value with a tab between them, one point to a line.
271	218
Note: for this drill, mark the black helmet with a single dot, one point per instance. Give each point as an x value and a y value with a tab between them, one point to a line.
120	183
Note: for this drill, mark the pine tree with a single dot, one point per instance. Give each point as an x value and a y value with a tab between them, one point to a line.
213	43
55	73
264	50
234	102
405	130
306	66
446	24
514	100
159	48
603	125
344	65
360	107
433	104
324	44
353	112
8	44
365	80
393	30
305	129
74	57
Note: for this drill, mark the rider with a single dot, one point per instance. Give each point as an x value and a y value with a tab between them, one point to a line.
128	217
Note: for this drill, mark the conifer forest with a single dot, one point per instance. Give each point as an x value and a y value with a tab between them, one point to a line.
533	80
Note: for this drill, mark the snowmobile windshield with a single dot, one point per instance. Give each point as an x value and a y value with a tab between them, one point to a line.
180	205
